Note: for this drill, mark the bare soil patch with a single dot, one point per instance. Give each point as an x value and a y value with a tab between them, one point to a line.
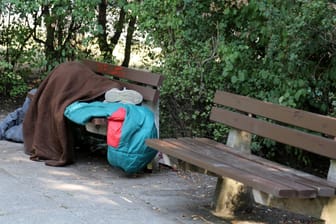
257	214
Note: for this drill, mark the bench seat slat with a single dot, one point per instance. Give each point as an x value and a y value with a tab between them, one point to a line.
268	163
323	187
148	93
225	169
252	166
309	142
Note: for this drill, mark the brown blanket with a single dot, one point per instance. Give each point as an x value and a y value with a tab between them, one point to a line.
45	129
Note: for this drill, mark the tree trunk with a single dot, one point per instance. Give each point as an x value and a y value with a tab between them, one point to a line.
105	47
102	37
129	37
118	27
49	42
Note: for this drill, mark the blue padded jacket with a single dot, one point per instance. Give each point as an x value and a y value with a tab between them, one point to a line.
131	154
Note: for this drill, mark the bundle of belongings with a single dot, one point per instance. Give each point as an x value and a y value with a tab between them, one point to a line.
71	93
127	129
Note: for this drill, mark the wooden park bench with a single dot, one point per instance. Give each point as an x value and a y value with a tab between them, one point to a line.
146	83
239	171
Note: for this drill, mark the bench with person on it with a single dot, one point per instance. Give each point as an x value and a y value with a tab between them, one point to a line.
144	82
241	173
72	94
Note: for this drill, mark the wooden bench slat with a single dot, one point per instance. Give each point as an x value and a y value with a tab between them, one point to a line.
323	188
147	83
148	93
250	166
300	118
139	76
267	163
274	184
290	136
144	82
220	168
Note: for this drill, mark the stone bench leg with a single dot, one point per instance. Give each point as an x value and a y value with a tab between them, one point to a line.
231	195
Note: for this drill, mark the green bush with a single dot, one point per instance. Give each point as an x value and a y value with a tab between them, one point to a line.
279	51
11	83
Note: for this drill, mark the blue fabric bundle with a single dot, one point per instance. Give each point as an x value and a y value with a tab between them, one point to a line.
132	154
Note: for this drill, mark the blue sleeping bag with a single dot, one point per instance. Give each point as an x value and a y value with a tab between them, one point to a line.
126	140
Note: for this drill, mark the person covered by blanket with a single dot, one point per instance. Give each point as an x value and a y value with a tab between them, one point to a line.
45	129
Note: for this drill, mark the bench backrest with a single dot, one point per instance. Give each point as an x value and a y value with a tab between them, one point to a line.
146	83
309	131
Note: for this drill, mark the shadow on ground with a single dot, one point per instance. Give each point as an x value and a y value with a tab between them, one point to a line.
91	191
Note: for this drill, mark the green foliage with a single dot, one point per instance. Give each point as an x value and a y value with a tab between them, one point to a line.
11	83
35	36
280	51
42	34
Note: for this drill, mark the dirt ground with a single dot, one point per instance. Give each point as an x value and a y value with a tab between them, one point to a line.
256	215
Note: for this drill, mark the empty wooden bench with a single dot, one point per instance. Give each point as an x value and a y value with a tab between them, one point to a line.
238	170
146	83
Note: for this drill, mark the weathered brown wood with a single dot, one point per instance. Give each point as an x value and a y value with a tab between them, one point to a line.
250	166
273	184
135	75
284	174
148	93
176	149
313	143
306	177
300	118
146	83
